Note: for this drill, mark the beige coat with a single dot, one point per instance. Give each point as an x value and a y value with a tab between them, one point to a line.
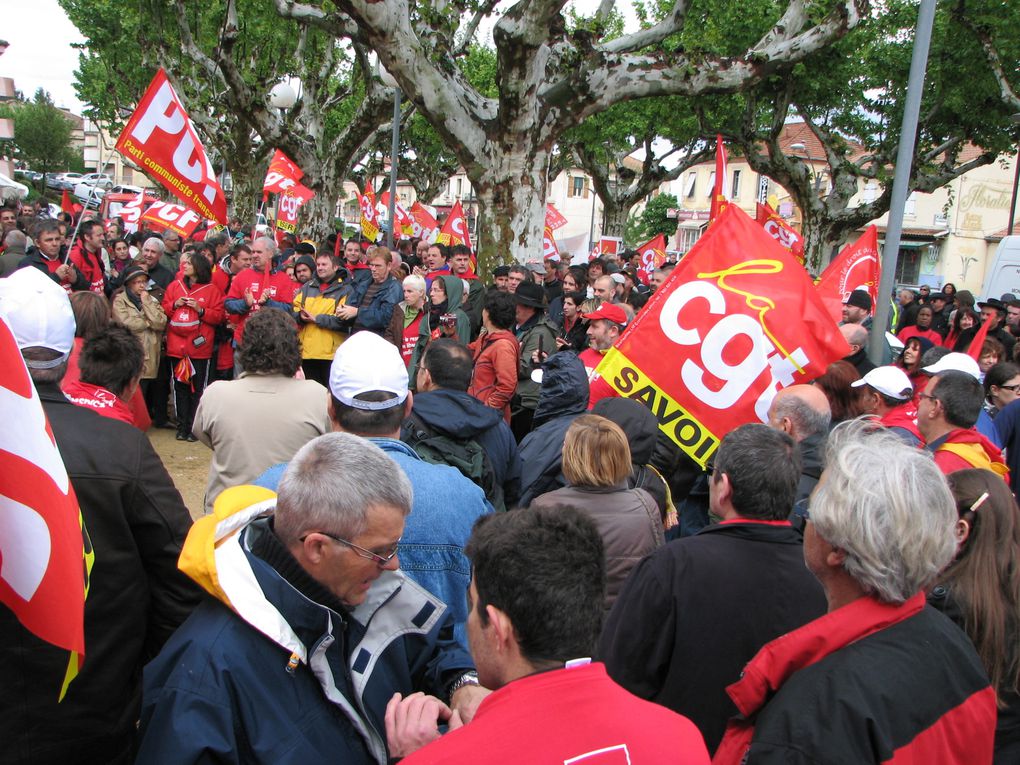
147	324
256	422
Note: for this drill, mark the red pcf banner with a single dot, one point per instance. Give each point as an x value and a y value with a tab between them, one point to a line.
779	230
554	218
736	321
288	204
160	137
857	267
282	175
424	223
174	217
653	255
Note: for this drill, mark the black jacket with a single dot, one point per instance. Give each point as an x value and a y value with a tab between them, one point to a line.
459	415
137	523
694	612
562	398
35	259
860	361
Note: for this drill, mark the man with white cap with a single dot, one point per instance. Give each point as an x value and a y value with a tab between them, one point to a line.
369	397
136	523
888	394
949	408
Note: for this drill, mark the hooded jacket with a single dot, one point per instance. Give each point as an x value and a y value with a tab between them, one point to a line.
457	414
429	329
261	673
563	398
494	380
964	448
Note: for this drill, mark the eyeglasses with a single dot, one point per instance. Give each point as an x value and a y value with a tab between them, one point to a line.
1009	387
927	396
382	560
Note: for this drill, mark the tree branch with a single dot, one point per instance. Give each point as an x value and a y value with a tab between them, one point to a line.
670	24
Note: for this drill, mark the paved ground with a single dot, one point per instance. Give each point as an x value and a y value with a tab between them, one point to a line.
187	463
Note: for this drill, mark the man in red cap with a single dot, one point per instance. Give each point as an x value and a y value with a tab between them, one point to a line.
604	328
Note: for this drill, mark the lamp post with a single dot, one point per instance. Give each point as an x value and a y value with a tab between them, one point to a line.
1015	119
391	208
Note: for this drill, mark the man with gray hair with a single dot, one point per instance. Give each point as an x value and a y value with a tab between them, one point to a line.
256	288
695	611
856	336
880	677
152	253
311	627
803	413
14	245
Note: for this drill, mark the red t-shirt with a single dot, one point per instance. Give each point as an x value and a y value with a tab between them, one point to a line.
279	286
410	339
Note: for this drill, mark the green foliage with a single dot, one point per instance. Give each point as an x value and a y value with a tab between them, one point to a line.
42	134
652	220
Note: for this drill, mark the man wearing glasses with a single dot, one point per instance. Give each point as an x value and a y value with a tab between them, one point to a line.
311	627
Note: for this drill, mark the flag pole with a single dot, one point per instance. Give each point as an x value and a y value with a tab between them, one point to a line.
81	217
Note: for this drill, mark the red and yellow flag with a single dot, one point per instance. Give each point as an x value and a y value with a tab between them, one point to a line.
720	190
780	230
857	267
653	255
369	218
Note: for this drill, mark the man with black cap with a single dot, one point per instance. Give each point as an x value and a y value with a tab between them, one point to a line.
321	330
994	310
501	279
537	336
940	313
857	308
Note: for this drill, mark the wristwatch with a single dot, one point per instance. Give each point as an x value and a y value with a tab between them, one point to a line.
468	678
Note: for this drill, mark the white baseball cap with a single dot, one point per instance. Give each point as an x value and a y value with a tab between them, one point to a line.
38	311
889	381
366	363
955	362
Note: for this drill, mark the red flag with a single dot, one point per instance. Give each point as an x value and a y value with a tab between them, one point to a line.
720	191
779	230
42	576
282	174
174	217
288	204
160	138
653	255
549	248
404	221
857	266
455	230
737	320
131	213
66	205
607	245
369	226
974	349
424	221
553	218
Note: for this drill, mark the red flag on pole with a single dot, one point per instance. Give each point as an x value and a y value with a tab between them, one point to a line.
66	205
160	138
44	558
779	230
974	349
720	190
424	222
369	224
554	218
549	248
282	174
736	321
653	255
455	230
857	267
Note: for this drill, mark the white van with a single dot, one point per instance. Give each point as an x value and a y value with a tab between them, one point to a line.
1003	275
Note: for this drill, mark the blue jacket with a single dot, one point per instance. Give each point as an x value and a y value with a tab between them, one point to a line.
376	315
445	508
262	674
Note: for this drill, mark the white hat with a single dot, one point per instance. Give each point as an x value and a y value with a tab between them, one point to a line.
618	277
955	362
535	266
889	381
38	312
365	363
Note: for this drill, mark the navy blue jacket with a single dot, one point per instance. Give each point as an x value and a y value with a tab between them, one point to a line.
376	315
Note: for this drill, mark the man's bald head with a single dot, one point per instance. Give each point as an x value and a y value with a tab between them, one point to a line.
855	335
801	411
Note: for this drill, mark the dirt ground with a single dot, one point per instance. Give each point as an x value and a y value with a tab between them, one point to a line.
187	463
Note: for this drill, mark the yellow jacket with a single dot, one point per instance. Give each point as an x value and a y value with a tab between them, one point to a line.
321	339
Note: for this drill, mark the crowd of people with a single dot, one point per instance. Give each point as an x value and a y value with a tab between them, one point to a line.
432	532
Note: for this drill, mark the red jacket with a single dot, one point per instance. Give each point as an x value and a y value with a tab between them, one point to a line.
904	416
185	324
91	266
870	682
495	377
99	400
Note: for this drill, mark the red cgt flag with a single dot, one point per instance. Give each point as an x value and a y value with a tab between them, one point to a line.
174	217
160	138
720	189
66	205
779	230
737	320
857	266
653	255
42	549
549	248
287	206
554	218
283	174
455	230
423	222
369	224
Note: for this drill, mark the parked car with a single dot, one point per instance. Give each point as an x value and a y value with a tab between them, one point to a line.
62	180
10	189
29	175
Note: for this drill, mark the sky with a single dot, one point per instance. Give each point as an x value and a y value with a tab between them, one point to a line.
40	53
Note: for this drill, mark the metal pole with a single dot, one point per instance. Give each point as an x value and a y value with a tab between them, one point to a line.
904	161
394	148
1012	202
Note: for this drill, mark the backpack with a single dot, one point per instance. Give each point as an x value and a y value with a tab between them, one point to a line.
465	454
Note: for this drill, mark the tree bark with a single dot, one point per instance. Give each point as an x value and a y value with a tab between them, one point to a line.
615	216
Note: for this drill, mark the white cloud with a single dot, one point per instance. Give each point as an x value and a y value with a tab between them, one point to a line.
40	35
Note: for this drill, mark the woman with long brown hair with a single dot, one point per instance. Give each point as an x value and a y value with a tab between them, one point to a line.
980	591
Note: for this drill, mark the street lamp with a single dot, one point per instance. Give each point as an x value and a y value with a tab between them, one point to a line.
800	147
282	97
391	208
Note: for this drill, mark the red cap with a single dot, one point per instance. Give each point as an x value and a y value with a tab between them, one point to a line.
609	311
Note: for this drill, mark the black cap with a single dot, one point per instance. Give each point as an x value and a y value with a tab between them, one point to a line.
937	296
859	299
501	271
530	294
998	305
304	248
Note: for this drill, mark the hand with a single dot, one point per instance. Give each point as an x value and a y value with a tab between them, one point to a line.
418	271
248	297
265	297
449	331
413	722
561	342
465	703
305	316
539	357
65	272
